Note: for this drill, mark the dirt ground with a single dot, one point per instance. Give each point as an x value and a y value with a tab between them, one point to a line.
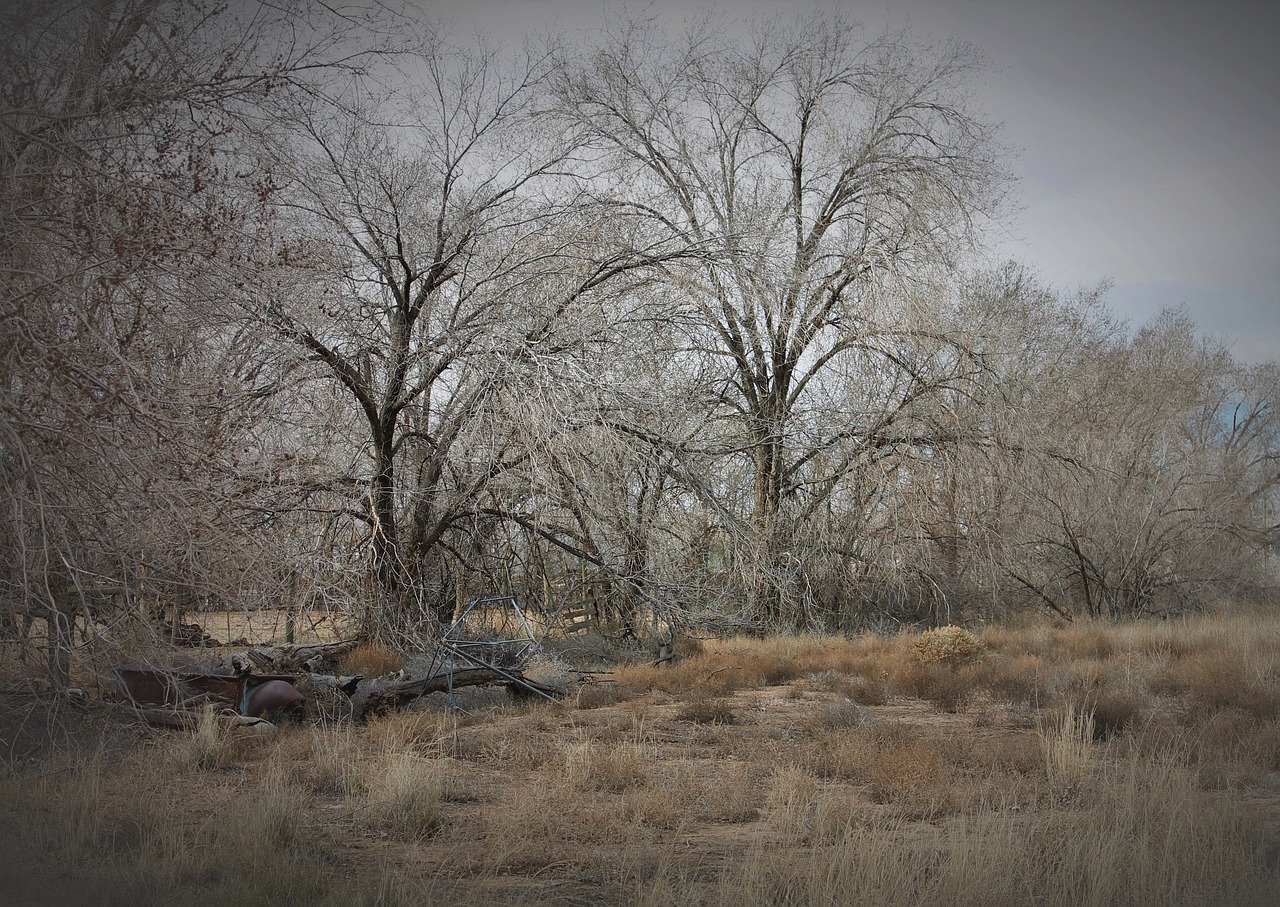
526	816
702	790
746	767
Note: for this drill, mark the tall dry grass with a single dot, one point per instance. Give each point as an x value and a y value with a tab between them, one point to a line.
1146	835
107	842
1067	738
1090	765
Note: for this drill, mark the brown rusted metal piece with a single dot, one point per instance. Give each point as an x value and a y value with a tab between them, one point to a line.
255	695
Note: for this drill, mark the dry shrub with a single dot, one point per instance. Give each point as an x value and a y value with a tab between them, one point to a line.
1218	680
707	710
370	660
948	645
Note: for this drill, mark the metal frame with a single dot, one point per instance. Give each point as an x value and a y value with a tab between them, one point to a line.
455	647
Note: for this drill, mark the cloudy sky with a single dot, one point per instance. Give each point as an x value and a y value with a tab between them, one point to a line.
1146	133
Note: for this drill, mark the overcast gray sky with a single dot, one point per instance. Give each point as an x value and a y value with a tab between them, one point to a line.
1146	130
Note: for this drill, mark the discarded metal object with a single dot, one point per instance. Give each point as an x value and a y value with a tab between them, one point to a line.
490	633
271	699
254	695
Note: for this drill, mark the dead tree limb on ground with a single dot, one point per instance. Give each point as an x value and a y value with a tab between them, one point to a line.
384	694
291	659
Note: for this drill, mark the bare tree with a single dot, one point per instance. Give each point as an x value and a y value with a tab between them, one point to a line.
1104	474
825	171
455	271
134	203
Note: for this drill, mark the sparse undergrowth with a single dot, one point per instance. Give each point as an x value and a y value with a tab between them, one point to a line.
1038	765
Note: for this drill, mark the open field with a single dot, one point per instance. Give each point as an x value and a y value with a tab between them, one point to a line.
1136	765
270	627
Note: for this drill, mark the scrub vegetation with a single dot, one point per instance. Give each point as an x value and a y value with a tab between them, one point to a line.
1124	764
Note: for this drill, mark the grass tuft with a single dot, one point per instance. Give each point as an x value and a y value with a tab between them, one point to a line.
715	710
370	660
404	795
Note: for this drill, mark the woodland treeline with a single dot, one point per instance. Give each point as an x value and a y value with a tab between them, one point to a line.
338	307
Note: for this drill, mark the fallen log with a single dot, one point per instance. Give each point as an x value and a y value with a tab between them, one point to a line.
311	658
383	694
328	698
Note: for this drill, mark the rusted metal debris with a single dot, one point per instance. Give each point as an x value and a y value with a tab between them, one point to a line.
252	695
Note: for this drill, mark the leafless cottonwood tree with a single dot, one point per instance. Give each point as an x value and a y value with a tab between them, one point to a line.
455	271
601	495
133	203
826	171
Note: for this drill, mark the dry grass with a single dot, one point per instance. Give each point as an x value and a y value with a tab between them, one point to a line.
138	844
1067	737
1215	680
842	714
713	710
370	660
1134	764
405	794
